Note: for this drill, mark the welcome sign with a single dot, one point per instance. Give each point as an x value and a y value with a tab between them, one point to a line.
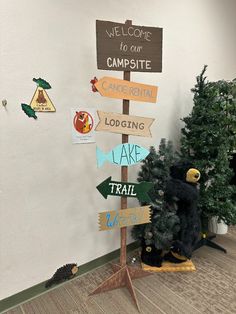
124	47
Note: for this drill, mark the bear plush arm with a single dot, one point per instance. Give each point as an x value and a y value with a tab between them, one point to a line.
179	190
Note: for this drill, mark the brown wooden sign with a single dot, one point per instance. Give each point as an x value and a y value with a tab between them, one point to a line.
115	88
124	47
122	218
124	124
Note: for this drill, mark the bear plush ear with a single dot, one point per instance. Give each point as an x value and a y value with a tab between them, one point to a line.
179	170
175	172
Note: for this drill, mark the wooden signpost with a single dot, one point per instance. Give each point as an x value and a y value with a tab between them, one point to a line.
123	218
125	47
115	88
115	188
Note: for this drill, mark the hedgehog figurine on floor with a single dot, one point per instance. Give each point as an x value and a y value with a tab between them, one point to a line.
63	273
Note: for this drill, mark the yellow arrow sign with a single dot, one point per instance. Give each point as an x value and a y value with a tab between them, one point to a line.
124	124
122	218
121	89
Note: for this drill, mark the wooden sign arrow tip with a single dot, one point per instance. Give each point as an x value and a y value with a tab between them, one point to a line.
103	187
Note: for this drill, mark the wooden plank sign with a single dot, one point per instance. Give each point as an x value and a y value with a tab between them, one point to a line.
122	218
115	188
115	88
122	155
124	124
124	47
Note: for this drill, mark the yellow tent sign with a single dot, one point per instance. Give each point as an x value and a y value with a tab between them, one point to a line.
41	101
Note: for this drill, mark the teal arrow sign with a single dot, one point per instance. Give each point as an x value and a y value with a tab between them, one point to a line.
124	155
138	190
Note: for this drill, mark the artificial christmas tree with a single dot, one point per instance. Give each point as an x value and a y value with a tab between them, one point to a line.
164	221
208	140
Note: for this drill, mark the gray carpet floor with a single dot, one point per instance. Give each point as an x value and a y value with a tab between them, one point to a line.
210	289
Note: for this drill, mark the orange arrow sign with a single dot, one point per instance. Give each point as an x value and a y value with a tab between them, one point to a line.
121	89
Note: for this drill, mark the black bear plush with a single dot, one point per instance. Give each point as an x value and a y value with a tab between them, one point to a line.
150	255
182	193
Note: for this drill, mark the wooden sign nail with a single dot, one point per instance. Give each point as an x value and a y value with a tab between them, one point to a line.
124	47
124	124
115	188
122	218
121	89
122	155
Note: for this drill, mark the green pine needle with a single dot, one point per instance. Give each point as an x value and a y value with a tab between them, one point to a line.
42	83
28	111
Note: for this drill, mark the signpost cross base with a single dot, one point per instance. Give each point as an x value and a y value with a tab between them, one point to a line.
122	277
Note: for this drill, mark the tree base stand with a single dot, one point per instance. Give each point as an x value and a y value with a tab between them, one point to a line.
206	240
122	277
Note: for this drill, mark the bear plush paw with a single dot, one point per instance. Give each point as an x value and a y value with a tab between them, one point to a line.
176	254
151	256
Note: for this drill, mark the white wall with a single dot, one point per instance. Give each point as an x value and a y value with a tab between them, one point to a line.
49	203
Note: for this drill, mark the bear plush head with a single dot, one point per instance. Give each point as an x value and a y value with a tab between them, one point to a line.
185	172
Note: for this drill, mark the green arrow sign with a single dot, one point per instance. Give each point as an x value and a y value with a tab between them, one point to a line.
138	190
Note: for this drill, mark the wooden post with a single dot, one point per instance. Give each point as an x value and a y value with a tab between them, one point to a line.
124	175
